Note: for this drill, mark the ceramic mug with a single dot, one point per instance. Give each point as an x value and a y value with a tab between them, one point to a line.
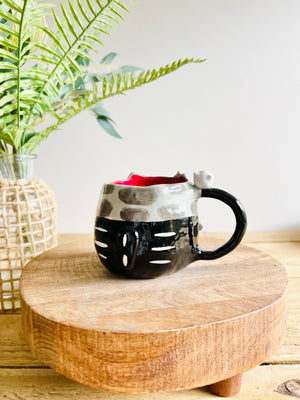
148	226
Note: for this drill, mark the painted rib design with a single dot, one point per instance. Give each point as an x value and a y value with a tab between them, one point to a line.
164	248
160	262
101	229
125	260
165	234
101	244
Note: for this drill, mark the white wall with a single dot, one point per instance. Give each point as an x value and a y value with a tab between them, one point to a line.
236	115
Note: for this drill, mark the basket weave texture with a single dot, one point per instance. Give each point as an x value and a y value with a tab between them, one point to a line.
27	228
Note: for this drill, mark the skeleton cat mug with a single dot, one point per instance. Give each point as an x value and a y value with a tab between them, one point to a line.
148	226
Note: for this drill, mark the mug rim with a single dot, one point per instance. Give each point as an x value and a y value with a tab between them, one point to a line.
149	181
150	186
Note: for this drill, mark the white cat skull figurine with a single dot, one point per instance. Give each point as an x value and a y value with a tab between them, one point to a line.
203	179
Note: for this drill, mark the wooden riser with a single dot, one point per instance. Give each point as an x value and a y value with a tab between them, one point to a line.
202	325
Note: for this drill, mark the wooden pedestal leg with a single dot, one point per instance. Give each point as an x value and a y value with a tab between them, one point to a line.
228	387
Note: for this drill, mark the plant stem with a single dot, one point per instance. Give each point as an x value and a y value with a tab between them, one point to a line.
12	169
19	64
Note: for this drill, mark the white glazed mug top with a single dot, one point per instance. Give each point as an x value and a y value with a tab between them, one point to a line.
122	201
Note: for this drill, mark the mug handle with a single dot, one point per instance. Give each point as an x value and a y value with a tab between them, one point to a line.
240	228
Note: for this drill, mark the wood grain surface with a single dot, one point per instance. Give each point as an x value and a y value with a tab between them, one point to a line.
201	325
23	377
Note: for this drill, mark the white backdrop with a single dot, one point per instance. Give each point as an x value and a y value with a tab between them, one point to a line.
236	115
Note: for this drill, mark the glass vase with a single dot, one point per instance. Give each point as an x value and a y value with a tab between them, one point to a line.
17	167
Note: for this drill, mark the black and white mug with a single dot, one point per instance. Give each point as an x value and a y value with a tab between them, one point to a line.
148	226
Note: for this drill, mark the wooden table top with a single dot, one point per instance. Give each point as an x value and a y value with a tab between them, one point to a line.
24	377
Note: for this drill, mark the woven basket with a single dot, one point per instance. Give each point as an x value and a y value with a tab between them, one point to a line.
27	228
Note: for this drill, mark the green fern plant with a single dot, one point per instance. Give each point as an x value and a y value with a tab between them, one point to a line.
46	76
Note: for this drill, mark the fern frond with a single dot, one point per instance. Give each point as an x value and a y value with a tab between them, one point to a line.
116	84
15	45
40	80
95	15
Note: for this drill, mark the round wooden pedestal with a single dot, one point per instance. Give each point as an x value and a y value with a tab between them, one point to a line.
205	324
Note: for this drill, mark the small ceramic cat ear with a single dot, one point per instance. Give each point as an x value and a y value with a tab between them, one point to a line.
179	175
203	179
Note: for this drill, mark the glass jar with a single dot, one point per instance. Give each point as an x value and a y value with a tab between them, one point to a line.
17	167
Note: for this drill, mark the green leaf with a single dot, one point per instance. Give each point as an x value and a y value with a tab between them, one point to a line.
129	68
7	85
125	81
101	29
2	147
13	5
8	16
74	64
52	36
121	5
94	38
43	58
7	43
7	119
4	28
116	12
87	45
48	50
99	109
7	138
104	86
91	7
82	57
111	84
61	28
118	82
7	109
110	17
8	55
79	83
83	10
68	20
109	58
108	127
7	99
75	15
89	78
27	136
69	72
99	3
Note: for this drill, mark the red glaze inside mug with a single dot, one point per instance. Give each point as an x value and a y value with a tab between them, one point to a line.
138	180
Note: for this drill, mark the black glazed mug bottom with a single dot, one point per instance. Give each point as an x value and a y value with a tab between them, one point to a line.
146	249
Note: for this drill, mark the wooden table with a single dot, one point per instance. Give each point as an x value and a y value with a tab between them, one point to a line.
23	377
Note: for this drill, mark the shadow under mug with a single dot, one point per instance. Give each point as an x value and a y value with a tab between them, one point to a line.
149	231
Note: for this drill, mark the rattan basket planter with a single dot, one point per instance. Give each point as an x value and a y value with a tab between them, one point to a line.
27	228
